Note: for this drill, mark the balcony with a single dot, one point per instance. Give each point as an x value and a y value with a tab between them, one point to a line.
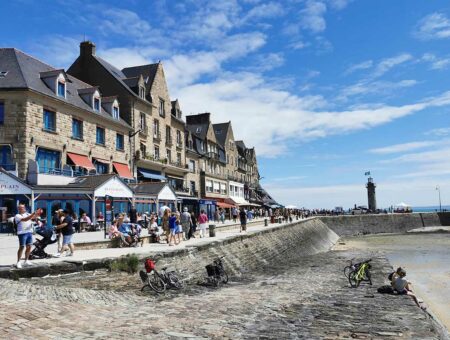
157	136
212	155
177	164
53	176
144	131
169	141
179	145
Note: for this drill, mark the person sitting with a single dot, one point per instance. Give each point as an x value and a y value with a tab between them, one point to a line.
155	231
402	286
85	222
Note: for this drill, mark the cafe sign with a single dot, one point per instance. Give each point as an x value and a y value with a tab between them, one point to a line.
114	188
10	186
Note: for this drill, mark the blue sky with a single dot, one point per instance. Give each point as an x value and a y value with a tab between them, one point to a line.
324	89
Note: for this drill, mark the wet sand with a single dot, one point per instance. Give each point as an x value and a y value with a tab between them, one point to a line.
426	259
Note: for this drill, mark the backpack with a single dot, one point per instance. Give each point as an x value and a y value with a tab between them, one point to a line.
390	276
387	289
149	265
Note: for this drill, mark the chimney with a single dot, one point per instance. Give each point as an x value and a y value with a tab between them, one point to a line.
87	48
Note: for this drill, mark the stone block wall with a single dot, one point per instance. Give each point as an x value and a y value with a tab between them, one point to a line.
382	223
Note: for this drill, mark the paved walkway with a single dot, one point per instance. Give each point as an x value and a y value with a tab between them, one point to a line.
9	244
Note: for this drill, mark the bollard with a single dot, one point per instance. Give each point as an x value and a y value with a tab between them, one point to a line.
279	220
296	217
266	222
212	230
272	219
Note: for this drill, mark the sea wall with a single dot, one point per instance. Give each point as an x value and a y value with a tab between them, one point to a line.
383	223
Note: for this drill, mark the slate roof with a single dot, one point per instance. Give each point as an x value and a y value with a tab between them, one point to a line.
200	121
148	72
24	73
222	128
148	188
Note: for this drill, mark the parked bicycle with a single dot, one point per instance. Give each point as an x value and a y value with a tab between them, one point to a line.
216	273
359	272
159	282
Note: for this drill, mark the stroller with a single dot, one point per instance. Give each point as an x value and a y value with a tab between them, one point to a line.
48	237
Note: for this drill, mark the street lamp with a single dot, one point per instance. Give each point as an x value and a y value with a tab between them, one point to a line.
439	192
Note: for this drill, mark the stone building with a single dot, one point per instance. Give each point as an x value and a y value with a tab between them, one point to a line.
54	126
157	143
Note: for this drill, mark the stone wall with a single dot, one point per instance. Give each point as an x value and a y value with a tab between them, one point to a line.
247	252
382	223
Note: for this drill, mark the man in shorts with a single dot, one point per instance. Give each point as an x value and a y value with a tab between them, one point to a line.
25	233
186	222
67	231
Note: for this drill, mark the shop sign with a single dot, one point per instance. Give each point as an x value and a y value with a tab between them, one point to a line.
10	186
207	202
114	188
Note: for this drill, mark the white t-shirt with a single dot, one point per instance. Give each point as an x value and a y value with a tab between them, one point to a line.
400	284
23	227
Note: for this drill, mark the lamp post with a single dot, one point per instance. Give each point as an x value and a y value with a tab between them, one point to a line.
439	192
132	154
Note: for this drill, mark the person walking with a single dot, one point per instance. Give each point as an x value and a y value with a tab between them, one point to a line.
216	215
173	228
165	223
243	219
186	223
234	212
67	231
24	223
202	221
222	216
193	228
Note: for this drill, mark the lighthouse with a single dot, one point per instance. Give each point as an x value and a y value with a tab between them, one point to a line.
371	194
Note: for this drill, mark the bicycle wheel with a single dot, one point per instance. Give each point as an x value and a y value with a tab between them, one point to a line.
174	281
368	276
352	278
347	271
156	282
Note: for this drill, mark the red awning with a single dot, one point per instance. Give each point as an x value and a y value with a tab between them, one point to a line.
224	205
122	170
81	160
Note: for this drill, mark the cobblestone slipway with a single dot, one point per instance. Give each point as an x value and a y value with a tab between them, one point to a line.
301	297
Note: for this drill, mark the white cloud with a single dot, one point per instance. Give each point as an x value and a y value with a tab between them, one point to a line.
59	51
405	147
266	10
339	4
387	64
435	62
123	22
439	132
433	26
360	66
374	87
311	17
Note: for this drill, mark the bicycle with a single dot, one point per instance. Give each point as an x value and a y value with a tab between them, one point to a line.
360	273
159	282
216	273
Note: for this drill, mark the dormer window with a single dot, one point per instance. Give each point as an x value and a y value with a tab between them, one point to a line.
162	112
97	104
61	89
142	92
116	112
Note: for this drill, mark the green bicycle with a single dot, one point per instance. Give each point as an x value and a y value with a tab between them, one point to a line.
360	273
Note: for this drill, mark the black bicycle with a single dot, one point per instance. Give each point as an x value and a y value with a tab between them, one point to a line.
216	273
159	282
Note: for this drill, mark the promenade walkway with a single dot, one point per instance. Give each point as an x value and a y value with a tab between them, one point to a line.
9	244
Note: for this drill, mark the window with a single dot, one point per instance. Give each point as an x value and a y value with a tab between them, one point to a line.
223	188
169	156
179	158
142	123
77	129
198	130
102	168
168	135
61	89
162	112
142	92
3	74
190	144
2	113
143	149
100	136
119	142
216	186
156	152
192	165
156	128
48	160
178	137
49	120
202	145
6	157
115	112
97	104
209	186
